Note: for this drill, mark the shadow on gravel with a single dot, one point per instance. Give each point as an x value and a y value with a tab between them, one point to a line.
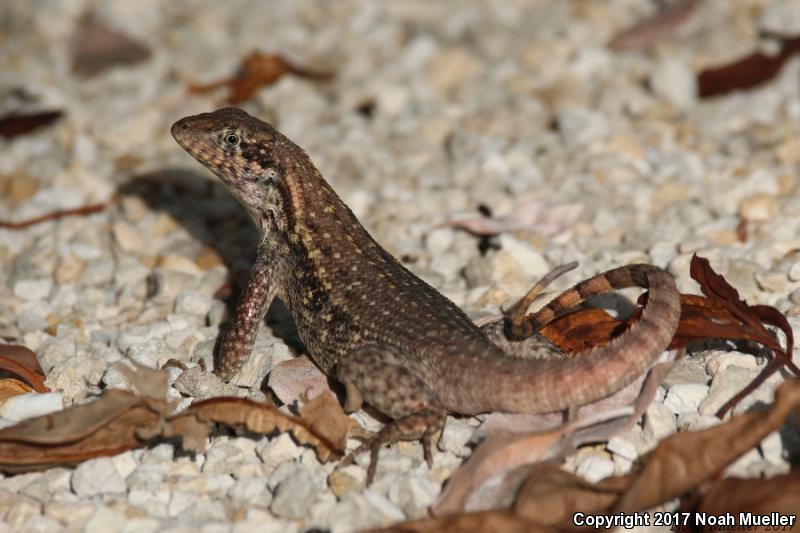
214	218
202	206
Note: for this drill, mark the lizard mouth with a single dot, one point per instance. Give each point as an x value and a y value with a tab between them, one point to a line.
185	133
181	132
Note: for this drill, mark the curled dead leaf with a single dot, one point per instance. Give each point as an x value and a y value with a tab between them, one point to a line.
647	32
121	420
326	416
98	47
256	71
18	124
685	460
535	216
747	72
20	361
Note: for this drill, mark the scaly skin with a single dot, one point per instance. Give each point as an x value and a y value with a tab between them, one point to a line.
391	339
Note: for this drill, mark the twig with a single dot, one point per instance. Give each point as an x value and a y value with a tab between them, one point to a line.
55	215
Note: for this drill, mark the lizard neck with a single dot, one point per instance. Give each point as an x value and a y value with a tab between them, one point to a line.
324	226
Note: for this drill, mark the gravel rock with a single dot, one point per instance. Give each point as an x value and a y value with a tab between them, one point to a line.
222	458
413	495
674	80
356	512
347	479
726	385
295	494
200	384
594	468
685	397
277	450
251	490
146	477
33	289
582	126
659	422
193	303
455	437
96	477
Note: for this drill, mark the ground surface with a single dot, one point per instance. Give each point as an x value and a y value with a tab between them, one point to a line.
436	108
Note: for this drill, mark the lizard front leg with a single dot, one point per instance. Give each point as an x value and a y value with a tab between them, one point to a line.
383	377
250	310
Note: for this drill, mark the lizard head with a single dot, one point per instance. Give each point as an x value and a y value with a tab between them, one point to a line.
247	154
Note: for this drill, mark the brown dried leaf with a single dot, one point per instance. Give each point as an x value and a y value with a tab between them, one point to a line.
22	362
258	70
536	216
646	32
120	420
780	494
482	522
98	47
747	72
256	417
146	381
15	125
552	496
498	453
724	315
679	464
326	416
10	387
106	426
685	460
582	329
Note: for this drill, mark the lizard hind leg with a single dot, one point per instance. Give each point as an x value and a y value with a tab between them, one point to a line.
385	379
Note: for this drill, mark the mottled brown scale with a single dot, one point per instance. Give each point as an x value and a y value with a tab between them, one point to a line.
391	339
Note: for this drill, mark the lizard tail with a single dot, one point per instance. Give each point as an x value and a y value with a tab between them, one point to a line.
525	385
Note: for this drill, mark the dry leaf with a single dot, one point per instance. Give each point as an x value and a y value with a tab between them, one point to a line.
22	362
551	495
685	460
780	494
747	72
10	387
106	426
577	331
646	32
18	124
326	416
482	522
536	216
98	47
723	314
499	453
258	70
255	417
120	420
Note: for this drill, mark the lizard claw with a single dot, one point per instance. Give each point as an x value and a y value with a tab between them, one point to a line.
374	446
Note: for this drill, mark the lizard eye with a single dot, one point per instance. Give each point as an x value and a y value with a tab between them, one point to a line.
232	140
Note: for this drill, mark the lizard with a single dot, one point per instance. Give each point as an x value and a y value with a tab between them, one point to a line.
393	341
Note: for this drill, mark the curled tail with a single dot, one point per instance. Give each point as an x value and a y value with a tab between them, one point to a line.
536	386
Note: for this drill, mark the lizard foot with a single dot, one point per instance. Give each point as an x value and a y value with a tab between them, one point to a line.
425	425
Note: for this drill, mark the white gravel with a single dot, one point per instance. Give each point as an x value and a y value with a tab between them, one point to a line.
500	103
